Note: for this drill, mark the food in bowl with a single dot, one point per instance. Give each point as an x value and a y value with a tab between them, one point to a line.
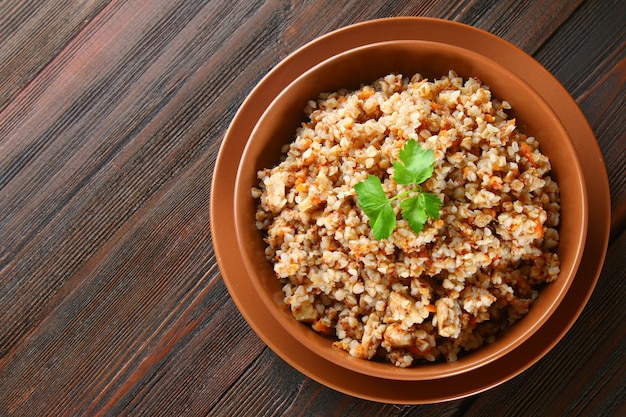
473	270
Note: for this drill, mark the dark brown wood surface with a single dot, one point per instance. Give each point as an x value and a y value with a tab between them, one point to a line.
111	117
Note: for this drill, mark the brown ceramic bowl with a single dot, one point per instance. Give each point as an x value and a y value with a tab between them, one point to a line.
363	65
296	351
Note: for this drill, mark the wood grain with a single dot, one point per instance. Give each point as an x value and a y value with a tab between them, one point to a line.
111	118
33	33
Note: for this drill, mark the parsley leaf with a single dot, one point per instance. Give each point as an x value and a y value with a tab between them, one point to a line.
374	202
416	210
432	203
416	165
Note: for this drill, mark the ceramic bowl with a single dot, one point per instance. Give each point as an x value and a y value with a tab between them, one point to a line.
362	65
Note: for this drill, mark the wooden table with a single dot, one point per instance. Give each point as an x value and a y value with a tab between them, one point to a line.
111	117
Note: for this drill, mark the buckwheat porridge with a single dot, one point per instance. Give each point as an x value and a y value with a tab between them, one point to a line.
413	297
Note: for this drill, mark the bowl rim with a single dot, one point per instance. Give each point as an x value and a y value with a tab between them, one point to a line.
470	362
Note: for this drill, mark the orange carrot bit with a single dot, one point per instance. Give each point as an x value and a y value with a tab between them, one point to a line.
367	93
525	150
495	184
539	228
322	327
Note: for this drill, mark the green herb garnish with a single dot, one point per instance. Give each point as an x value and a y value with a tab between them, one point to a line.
416	165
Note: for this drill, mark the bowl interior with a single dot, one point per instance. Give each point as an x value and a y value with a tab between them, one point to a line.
364	65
